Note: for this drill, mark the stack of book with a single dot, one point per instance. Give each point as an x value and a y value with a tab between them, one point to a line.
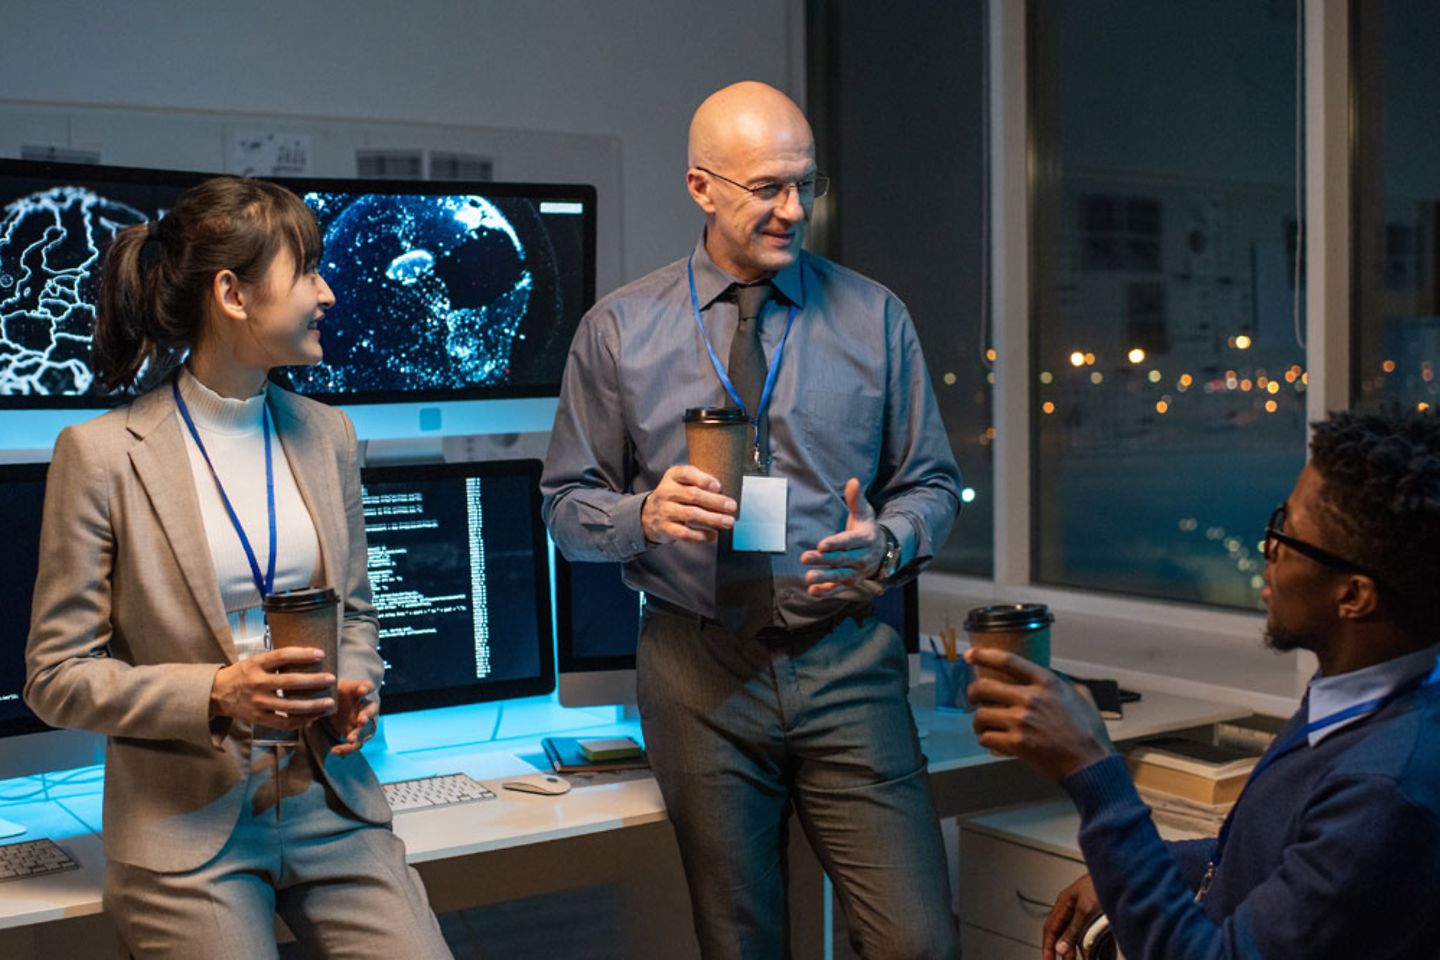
594	755
1253	734
1187	783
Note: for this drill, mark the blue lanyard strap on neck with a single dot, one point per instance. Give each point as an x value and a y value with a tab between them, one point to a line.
265	584
1294	739
725	381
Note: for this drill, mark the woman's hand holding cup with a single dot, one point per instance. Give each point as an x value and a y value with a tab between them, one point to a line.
250	689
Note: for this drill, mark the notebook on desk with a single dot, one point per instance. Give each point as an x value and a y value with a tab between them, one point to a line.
1109	697
567	757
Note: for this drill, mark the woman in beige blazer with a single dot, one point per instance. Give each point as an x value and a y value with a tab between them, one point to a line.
155	553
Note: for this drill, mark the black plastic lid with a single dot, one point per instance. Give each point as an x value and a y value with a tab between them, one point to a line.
301	599
1007	617
722	415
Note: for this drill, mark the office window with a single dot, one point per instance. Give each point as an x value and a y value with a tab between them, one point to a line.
1397	316
1168	393
897	98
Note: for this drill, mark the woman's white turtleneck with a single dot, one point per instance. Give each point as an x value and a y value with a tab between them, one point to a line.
231	430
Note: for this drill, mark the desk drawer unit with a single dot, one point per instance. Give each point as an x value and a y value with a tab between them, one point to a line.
1007	888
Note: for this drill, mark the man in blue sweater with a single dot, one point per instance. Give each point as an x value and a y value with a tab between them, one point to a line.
1333	850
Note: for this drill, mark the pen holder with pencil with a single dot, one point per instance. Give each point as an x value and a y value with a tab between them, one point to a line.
951	679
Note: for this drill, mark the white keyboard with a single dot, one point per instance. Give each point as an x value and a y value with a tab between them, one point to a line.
33	858
436	791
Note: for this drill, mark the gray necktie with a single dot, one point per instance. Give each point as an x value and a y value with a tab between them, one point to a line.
744	591
747	357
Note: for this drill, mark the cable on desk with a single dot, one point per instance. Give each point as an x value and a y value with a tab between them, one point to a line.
80	775
44	782
40	790
499	716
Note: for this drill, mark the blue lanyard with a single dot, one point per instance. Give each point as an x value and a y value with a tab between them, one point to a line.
720	367
1364	709
264	584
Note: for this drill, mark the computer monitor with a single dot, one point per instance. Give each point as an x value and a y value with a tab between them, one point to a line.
448	291
598	623
456	302
450	296
25	746
460	565
459	562
55	221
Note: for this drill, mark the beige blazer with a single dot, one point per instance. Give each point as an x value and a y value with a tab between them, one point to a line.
128	629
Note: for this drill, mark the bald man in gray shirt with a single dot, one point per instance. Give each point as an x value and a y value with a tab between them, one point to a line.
764	681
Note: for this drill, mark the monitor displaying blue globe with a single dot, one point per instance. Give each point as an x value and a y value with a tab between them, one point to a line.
447	294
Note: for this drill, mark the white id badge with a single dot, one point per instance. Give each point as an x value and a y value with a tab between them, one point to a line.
761	525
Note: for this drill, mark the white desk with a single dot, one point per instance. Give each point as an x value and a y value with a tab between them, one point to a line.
611	829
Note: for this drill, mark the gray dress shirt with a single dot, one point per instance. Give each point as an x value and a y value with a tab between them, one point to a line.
852	398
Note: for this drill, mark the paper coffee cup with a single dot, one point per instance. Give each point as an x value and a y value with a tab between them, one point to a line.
718	439
1020	628
306	617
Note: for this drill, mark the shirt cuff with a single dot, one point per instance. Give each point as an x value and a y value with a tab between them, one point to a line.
1098	786
627	535
904	533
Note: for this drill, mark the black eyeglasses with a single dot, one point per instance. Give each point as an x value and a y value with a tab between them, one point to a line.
1274	534
768	191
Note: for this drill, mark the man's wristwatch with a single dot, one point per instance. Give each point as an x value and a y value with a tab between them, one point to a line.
889	563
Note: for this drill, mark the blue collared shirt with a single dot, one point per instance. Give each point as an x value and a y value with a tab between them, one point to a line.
852	398
1329	695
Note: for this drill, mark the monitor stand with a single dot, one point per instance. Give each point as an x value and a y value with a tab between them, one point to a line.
389	766
9	828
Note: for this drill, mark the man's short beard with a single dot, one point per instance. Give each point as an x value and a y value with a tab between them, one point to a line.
1285	640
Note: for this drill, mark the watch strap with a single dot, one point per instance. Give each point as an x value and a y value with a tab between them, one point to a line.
890	563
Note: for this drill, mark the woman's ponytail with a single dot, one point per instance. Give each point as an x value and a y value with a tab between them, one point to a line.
156	282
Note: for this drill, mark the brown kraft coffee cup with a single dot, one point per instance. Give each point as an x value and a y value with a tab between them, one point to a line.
1020	628
718	439
306	617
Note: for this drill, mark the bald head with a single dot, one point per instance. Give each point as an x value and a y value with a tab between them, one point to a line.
738	121
744	141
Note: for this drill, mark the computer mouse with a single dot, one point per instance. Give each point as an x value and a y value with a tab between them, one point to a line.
546	784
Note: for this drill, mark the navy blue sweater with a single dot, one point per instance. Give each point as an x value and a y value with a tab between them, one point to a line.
1334	852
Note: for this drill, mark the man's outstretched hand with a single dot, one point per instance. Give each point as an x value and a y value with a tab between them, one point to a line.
851	556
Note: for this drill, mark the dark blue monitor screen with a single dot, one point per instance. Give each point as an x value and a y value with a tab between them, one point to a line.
598	616
22	495
448	291
459	563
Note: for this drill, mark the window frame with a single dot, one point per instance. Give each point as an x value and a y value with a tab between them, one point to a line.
1328	96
